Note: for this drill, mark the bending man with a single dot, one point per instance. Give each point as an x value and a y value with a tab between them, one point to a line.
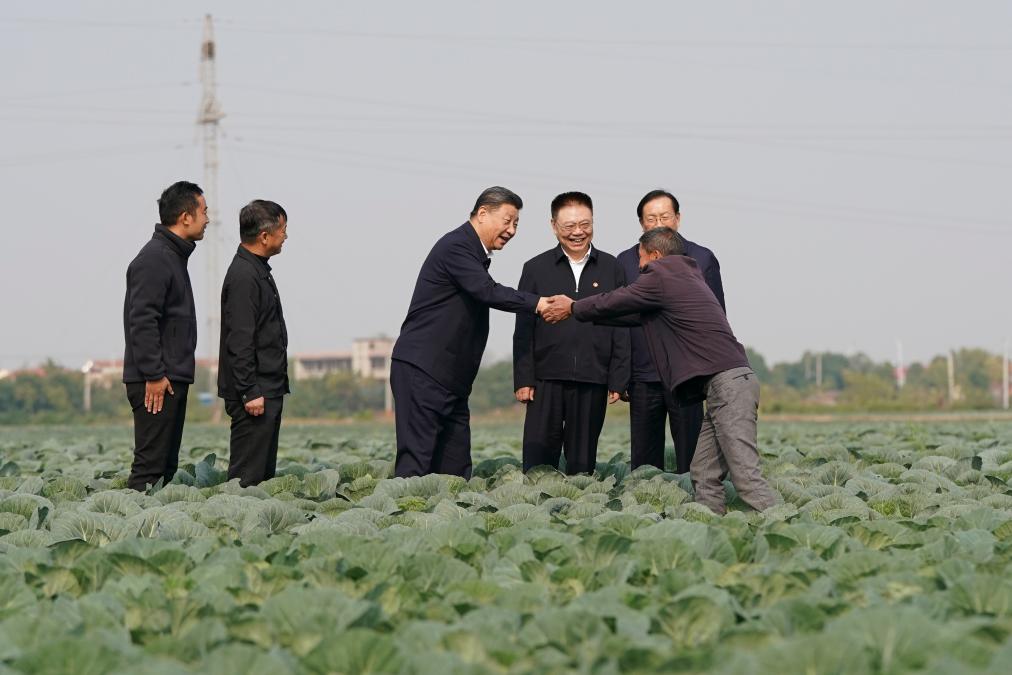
697	357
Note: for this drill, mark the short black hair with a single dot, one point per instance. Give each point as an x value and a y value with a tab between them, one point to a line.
496	196
567	198
652	195
663	240
260	215
177	199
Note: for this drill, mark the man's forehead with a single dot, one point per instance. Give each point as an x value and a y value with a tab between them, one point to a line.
663	202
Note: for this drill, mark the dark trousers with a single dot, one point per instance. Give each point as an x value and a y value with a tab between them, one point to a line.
253	446
564	416
433	425
156	436
649	404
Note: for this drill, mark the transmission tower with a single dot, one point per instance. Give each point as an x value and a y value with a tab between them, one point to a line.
208	117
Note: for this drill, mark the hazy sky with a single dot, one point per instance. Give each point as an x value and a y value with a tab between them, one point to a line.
845	161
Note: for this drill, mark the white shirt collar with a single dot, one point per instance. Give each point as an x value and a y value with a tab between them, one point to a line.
581	261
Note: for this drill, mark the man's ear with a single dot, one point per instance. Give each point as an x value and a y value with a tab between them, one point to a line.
678	221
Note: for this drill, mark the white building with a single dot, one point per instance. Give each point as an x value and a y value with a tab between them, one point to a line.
369	357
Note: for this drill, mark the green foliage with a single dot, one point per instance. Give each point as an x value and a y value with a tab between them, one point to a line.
891	553
849	384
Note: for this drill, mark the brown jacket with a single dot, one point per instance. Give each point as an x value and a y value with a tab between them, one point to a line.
687	333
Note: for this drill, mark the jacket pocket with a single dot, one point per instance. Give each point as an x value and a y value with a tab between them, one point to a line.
179	338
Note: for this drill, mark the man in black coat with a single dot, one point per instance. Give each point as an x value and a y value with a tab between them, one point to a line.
567	373
649	401
160	327
437	355
253	356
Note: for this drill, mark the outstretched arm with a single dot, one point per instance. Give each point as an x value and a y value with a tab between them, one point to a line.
622	306
469	275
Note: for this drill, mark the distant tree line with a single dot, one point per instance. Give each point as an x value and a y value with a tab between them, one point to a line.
817	382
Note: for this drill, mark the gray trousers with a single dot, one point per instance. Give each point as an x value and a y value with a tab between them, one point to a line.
727	443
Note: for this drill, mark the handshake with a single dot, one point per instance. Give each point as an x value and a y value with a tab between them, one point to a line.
556	308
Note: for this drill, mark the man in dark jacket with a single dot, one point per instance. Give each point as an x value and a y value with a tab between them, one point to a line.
160	327
649	401
697	357
253	356
437	355
567	373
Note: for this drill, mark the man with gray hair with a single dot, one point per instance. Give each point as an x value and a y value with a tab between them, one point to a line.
437	355
253	356
697	357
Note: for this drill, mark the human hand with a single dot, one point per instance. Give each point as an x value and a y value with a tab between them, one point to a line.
613	396
525	394
154	394
255	407
559	309
543	304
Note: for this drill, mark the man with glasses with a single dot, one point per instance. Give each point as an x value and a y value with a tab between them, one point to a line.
649	401
567	373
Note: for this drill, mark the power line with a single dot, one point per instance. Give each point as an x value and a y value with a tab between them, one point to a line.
275	28
174	24
63	93
87	154
447	113
639	43
737	203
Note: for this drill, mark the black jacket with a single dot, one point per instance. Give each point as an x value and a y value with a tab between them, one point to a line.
159	320
569	350
253	356
642	365
687	333
445	331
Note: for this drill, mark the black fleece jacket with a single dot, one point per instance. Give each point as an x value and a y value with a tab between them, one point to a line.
159	320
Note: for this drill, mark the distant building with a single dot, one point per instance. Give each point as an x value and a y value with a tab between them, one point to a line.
105	372
369	358
320	364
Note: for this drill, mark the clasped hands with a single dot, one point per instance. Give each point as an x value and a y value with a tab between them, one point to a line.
556	308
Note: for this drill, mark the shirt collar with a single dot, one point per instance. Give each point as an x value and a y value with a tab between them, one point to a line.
560	254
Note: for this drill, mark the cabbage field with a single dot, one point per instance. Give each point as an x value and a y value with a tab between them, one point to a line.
891	553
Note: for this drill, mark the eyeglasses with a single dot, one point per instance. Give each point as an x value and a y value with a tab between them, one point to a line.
566	228
663	219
